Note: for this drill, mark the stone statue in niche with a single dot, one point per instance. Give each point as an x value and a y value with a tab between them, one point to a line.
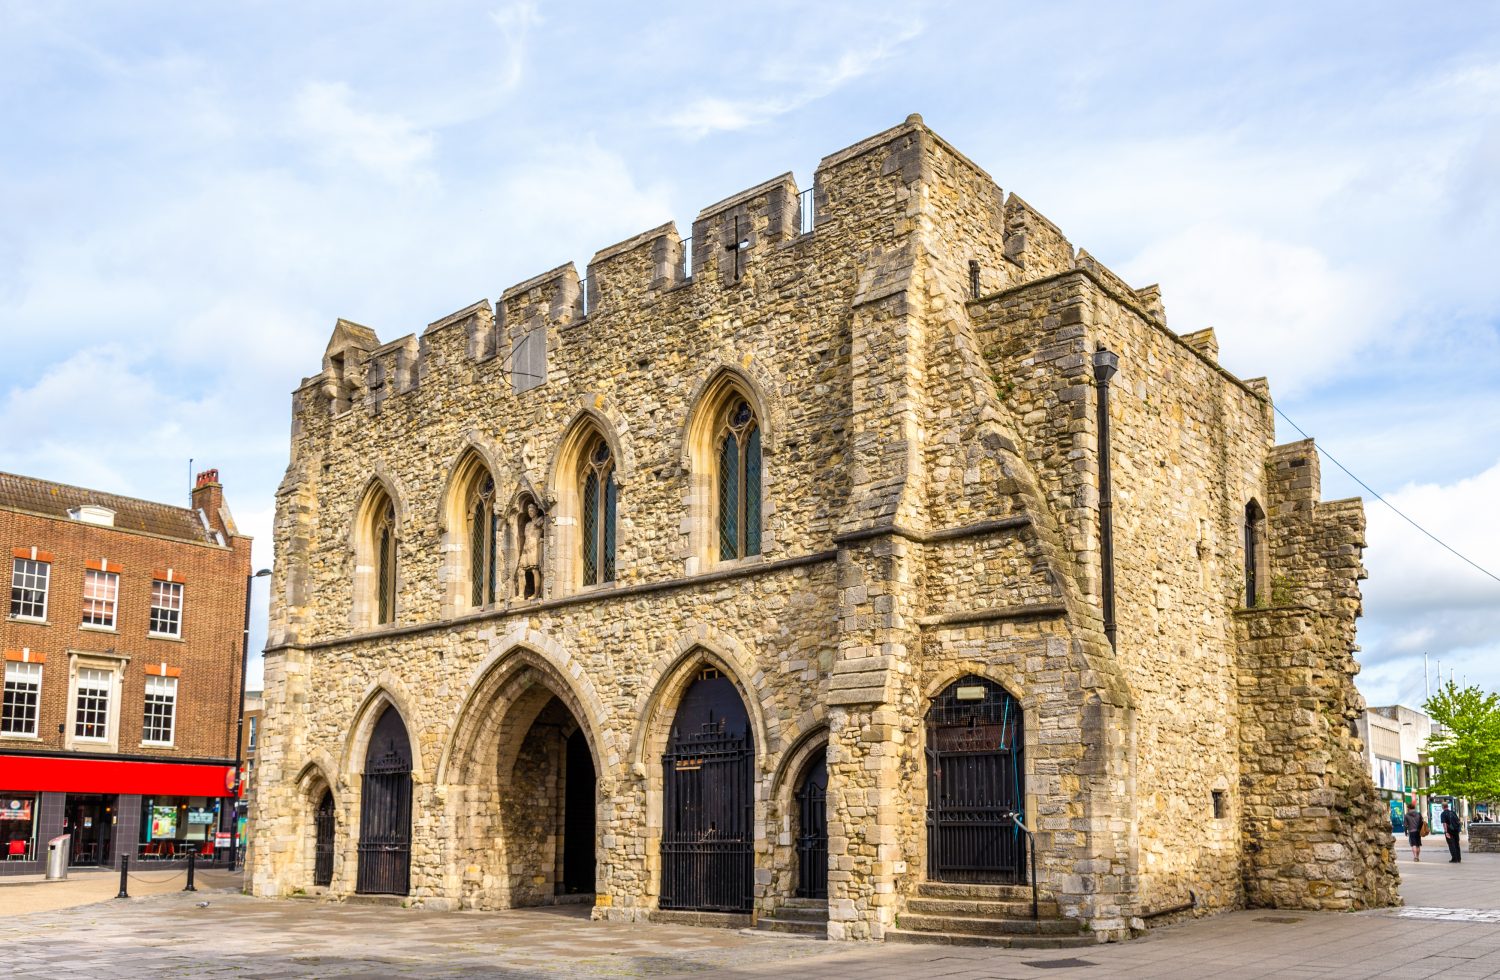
529	557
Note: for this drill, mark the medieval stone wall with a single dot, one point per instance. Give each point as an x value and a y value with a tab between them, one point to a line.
930	510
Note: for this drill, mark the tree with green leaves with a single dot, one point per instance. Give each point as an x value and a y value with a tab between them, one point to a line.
1465	752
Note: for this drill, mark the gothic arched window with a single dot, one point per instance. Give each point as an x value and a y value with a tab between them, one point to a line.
598	496
384	537
483	528
1255	553
738	445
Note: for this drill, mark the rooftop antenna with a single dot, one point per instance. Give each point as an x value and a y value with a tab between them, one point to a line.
1426	675
190	480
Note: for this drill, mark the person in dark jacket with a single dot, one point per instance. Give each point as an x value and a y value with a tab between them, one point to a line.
1416	826
1451	826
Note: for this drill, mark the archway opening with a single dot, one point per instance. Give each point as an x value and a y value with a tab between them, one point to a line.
708	801
323	822
547	803
975	784
812	828
385	810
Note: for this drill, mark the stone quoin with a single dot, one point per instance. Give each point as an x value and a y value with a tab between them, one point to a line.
776	573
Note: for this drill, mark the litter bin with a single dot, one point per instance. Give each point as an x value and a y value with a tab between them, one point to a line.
57	857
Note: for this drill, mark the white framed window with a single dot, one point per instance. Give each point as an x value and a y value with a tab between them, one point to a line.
28	588
91	704
166	608
23	692
101	593
250	742
161	710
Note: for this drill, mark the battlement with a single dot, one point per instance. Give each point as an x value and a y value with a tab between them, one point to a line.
862	198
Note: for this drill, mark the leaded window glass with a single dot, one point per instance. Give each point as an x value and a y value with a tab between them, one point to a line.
385	567
739	482
483	565
599	495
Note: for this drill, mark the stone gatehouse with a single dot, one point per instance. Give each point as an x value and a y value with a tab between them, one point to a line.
816	560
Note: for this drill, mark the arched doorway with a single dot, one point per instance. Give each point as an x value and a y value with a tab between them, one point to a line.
385	810
579	802
323	822
708	802
812	829
975	784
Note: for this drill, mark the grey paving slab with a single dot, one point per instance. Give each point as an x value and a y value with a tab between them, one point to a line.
169	935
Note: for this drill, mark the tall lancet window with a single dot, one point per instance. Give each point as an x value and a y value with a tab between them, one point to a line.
384	537
739	482
483	528
599	498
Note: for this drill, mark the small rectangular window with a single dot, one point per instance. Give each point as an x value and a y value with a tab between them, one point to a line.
161	710
23	691
1221	809
91	719
101	590
250	740
166	608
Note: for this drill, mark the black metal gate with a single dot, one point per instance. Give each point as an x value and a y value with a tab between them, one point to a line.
709	802
975	784
323	842
812	830
385	811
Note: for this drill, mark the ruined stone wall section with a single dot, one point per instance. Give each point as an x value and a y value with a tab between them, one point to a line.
1186	445
1317	835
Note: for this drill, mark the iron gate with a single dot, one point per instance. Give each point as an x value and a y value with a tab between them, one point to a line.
812	831
709	802
323	842
385	812
975	784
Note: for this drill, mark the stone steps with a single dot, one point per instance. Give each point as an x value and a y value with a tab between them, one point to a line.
798	917
970	925
1006	942
974	892
988	909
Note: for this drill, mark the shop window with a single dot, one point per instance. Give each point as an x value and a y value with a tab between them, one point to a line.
161	710
101	591
91	715
23	689
173	826
28	588
166	608
18	826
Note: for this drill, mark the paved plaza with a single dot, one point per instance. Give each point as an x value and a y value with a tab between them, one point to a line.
1450	927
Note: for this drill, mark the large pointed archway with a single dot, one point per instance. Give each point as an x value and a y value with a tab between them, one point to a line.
385	810
708	800
523	783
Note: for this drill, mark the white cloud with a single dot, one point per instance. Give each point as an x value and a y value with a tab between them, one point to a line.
384	143
810	79
1280	309
1420	598
515	21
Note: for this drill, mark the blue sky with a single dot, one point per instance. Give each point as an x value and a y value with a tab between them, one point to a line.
193	193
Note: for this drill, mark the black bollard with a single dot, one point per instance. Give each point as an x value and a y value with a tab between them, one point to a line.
124	868
192	861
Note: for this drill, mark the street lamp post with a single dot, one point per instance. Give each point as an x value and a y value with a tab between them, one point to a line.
239	729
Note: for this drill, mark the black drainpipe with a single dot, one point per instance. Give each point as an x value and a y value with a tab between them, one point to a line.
1106	363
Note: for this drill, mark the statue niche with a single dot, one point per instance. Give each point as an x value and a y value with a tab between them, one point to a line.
530	541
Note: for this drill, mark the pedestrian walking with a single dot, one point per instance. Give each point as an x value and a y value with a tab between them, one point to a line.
1451	826
1416	827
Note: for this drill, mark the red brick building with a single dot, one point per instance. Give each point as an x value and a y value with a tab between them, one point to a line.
123	647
